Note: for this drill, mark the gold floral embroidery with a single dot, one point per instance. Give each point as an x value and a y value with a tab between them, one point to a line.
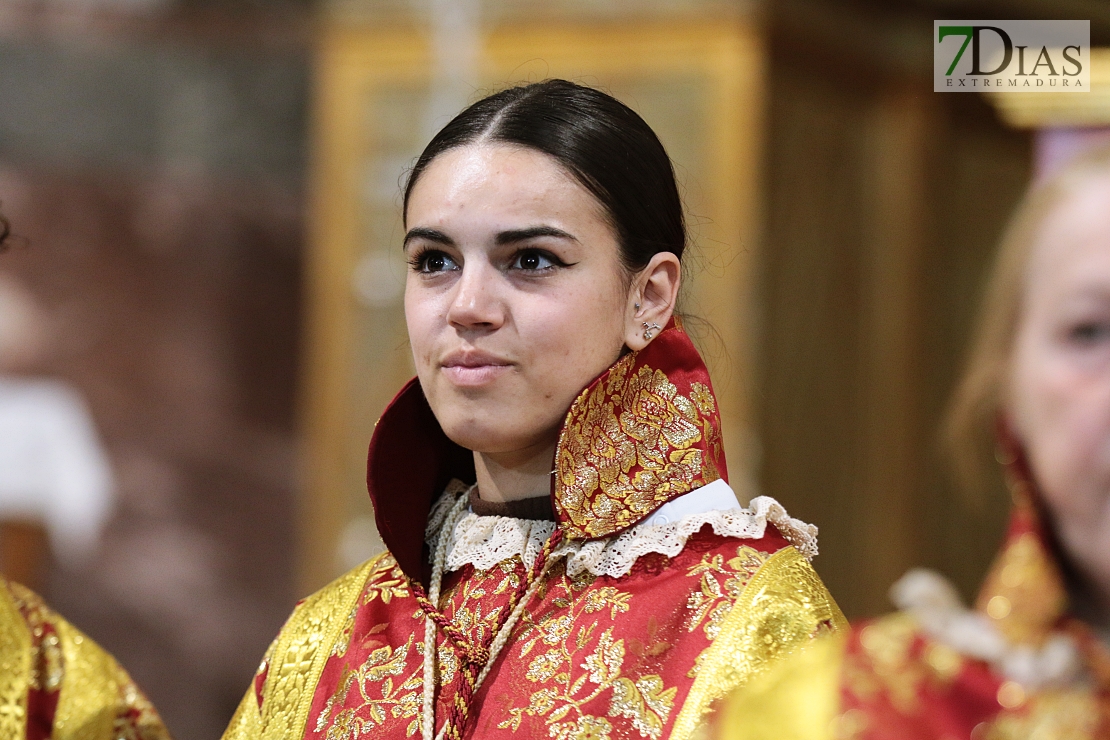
584	662
304	646
784	605
381	696
389	588
586	728
474	591
720	585
137	718
646	702
631	443
618	602
389	683
344	641
386	584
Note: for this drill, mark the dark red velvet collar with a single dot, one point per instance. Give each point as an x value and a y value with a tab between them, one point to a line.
644	432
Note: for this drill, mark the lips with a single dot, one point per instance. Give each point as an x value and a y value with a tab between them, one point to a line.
473	367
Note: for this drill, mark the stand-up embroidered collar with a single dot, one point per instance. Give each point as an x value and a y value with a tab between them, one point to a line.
644	432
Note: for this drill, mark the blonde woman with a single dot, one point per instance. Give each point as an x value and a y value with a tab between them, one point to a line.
1030	660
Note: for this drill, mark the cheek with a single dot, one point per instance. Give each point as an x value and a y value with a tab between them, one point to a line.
1063	415
571	340
421	317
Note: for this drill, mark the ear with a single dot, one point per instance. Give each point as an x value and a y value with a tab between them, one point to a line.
651	299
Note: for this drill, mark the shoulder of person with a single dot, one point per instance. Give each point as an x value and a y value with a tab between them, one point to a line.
95	697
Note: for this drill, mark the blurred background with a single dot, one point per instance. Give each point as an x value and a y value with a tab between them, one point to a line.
200	315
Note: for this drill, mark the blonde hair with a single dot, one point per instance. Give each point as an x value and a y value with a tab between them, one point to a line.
969	428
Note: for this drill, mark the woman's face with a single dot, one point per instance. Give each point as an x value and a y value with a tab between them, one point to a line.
1060	386
515	299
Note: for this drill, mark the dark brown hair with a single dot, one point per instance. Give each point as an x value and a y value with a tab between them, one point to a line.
599	140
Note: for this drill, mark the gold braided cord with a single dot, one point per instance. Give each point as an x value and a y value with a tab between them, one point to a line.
90	697
477	660
15	667
302	650
784	605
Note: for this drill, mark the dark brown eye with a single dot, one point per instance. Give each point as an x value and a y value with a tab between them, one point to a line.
534	261
433	261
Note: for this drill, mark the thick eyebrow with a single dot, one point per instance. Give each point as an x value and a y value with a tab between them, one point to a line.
432	235
520	235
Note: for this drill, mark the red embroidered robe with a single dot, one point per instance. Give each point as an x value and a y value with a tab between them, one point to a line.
636	629
1018	667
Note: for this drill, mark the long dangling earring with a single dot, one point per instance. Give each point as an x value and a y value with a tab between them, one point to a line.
1024	592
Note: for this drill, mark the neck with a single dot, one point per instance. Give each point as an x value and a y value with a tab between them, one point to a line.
512	476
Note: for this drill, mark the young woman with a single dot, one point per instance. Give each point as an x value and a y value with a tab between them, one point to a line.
565	556
1031	660
57	683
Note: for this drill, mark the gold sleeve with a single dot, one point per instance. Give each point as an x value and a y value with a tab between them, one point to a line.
97	700
799	699
246	723
15	667
297	660
784	606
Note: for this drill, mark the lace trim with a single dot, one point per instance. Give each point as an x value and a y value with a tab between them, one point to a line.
936	606
485	541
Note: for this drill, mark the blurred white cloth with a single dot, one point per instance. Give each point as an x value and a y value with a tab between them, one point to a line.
52	467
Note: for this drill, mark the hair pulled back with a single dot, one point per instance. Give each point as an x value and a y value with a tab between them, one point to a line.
602	142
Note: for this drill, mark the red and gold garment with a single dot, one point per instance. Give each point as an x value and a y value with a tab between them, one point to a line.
1017	667
57	683
647	614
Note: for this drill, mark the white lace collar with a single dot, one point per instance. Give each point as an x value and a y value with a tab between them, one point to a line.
485	541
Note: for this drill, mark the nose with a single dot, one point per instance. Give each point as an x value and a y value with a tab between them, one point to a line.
476	304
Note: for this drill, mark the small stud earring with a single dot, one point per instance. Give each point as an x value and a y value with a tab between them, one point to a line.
649	330
637	306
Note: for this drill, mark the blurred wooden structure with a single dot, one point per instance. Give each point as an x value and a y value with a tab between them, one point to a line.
698	84
885	202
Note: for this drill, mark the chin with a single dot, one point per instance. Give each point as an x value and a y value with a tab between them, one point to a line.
480	439
488	433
